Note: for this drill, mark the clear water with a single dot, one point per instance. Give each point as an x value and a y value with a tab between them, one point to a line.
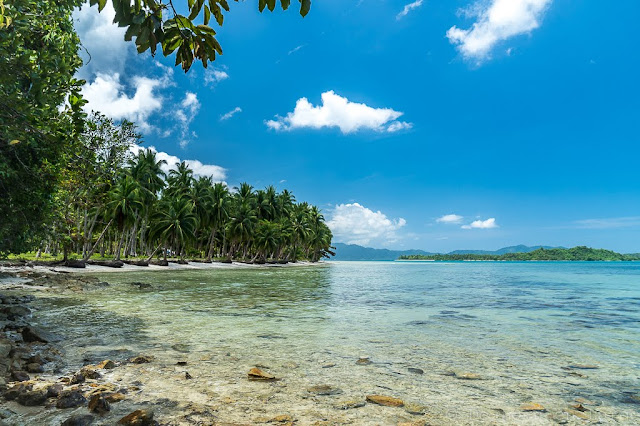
518	326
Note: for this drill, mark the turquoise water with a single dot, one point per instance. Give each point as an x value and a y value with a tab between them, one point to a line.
526	330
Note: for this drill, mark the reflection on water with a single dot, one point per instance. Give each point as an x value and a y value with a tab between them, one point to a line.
519	326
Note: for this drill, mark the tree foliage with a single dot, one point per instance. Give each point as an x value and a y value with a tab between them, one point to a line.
157	23
580	253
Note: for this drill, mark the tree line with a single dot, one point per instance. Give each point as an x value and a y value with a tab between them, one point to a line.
120	203
580	253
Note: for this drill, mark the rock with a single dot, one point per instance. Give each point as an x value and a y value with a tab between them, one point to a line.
34	367
415	409
576	413
138	418
181	363
187	375
363	361
115	397
6	413
31	334
387	401
141	285
13	312
107	364
578	407
159	262
54	390
78	420
99	405
468	376
257	374
181	347
348	405
32	398
415	370
532	406
584	401
72	263
20	376
328	366
89	373
13	392
581	367
142	359
5	348
77	378
285	418
70	399
631	399
324	390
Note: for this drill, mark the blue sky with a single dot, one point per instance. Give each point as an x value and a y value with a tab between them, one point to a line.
520	119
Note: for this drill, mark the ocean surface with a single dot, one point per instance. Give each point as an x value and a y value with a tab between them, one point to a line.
459	343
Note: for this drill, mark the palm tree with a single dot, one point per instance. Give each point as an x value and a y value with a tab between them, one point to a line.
180	180
174	224
218	213
125	201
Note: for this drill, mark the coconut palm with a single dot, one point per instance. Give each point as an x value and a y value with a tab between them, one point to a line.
125	200
174	224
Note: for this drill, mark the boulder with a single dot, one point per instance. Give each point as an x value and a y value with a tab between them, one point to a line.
141	359
13	392
20	376
54	390
78	420
70	399
387	401
99	405
107	364
115	397
138	418
32	334
34	367
32	398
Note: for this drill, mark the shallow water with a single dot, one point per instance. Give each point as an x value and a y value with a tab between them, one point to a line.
521	327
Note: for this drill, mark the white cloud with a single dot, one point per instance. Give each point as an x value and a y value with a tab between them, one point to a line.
356	224
106	51
482	224
496	20
107	95
213	76
337	111
450	218
217	173
609	223
230	114
408	8
190	106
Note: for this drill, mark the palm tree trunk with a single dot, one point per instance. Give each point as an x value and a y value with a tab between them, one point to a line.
120	245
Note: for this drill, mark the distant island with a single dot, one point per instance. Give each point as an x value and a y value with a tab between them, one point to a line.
580	253
354	252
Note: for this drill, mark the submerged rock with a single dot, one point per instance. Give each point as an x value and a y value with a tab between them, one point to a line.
467	376
70	399
415	370
138	418
363	361
115	397
532	406
256	374
107	364
141	285
78	420
31	334
20	376
284	418
142	359
324	390
415	409
387	401
348	405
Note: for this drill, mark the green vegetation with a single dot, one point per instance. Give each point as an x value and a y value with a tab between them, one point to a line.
580	253
49	188
124	205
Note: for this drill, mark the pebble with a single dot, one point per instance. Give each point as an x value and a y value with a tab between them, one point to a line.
387	401
532	406
363	361
347	405
259	375
415	370
324	390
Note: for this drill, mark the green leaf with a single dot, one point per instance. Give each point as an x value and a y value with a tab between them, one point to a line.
261	5
305	6
285	4
140	17
207	15
131	31
271	4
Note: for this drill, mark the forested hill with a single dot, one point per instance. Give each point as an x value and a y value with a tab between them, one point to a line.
580	253
356	252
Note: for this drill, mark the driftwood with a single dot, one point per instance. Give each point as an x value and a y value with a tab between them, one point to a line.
159	262
74	264
108	263
136	262
200	261
179	262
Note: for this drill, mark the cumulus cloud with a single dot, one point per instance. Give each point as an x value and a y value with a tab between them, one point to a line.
408	8
482	224
496	20
217	173
450	218
230	114
107	95
337	111
106	51
356	224
188	111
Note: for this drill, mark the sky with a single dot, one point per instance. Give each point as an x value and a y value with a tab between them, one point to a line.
434	125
